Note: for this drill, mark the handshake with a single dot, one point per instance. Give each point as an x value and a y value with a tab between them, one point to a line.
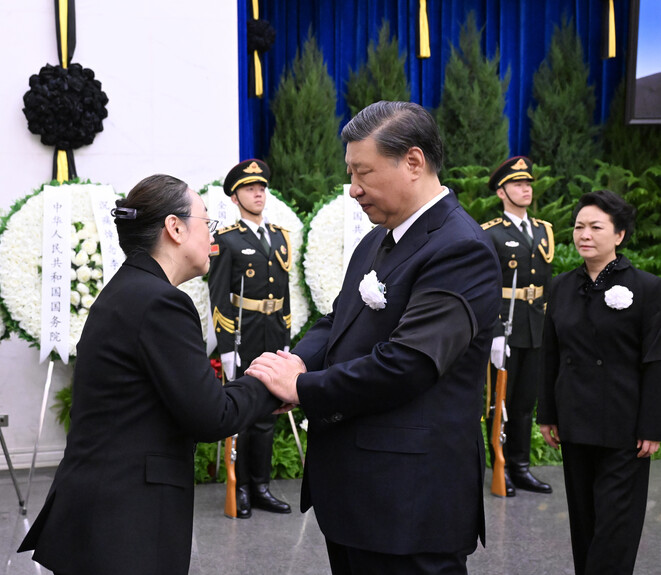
277	371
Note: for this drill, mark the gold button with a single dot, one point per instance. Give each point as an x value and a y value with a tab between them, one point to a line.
532	256
532	271
270	296
270	263
271	280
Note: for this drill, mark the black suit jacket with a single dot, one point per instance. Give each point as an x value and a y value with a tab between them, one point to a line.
603	366
395	456
143	394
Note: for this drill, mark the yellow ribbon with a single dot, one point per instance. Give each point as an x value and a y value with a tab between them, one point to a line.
62	174
424	51
611	30
62	166
64	28
259	84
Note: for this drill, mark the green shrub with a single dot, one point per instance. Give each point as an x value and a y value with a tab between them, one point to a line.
382	77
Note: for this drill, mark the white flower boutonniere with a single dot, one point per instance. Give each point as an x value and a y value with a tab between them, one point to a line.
618	297
373	291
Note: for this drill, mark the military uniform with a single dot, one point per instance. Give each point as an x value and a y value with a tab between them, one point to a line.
533	262
239	260
237	254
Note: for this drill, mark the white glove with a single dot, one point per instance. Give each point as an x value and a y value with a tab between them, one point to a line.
229	367
286	349
497	346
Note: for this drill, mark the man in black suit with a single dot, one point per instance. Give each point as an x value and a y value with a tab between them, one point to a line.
526	245
257	255
390	380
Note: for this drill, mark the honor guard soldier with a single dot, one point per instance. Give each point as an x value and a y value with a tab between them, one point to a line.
249	291
524	244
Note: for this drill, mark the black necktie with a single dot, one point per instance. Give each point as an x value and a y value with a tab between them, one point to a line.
386	245
262	238
524	230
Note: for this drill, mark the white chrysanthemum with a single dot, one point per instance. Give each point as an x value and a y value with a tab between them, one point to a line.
96	259
97	274
86	301
80	258
90	246
618	297
82	289
75	298
323	257
83	274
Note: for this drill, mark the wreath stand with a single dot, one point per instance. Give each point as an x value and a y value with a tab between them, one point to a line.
44	403
4	422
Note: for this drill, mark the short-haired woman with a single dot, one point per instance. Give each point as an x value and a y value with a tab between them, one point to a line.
602	390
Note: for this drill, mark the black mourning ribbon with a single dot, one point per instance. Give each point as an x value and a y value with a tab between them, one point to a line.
384	249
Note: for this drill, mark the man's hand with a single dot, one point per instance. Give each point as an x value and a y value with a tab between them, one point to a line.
551	435
228	365
278	372
647	447
497	348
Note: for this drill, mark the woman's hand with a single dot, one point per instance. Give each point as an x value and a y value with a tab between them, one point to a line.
647	447
551	436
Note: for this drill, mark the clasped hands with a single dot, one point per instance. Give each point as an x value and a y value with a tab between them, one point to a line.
279	372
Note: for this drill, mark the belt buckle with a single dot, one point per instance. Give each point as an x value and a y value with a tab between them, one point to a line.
529	293
268	306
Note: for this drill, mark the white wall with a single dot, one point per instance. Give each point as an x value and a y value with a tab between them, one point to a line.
170	71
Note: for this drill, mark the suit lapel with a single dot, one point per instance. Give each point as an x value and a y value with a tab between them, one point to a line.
409	244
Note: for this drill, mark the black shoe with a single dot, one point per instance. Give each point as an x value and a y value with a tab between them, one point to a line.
263	499
243	510
510	491
523	479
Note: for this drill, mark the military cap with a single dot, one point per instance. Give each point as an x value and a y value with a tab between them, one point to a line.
516	168
246	172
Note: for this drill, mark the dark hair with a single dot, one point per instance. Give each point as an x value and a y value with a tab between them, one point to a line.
622	214
396	128
140	216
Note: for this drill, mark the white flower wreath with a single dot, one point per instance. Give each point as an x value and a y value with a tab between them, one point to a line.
323	262
20	267
618	297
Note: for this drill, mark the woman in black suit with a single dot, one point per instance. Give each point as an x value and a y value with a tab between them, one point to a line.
602	388
143	394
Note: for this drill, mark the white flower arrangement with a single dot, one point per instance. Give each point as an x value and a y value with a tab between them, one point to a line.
373	291
618	297
323	262
20	267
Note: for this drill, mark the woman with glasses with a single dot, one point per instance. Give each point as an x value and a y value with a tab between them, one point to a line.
144	392
602	390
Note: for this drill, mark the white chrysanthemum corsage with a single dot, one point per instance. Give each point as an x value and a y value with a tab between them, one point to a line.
373	291
618	297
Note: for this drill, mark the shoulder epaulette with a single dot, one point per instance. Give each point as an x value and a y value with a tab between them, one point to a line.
228	229
492	223
273	226
543	222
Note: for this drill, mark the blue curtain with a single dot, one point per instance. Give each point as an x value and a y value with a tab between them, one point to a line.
521	29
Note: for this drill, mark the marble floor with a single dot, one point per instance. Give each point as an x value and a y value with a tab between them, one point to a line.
526	535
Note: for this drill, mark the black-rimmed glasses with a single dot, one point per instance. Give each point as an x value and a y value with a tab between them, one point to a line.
212	224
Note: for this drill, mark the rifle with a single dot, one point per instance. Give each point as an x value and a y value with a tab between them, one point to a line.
498	436
230	442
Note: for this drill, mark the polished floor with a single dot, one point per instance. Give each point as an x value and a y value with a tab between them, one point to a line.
526	535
